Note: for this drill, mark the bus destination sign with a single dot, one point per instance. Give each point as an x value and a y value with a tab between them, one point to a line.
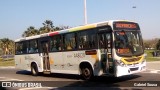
125	25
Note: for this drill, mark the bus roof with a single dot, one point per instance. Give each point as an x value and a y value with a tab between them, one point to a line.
79	28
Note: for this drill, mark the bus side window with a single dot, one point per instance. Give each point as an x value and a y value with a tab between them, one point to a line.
87	39
21	47
33	46
70	41
18	48
55	43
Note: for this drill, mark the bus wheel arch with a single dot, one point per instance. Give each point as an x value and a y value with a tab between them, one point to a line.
86	70
34	69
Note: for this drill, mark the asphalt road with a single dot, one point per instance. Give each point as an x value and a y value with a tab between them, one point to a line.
67	81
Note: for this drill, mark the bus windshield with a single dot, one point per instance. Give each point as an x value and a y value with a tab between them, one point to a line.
128	43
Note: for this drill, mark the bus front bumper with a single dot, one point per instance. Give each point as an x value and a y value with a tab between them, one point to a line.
127	70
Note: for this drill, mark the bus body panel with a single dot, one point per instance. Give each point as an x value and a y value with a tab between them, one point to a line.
69	62
56	61
24	61
21	63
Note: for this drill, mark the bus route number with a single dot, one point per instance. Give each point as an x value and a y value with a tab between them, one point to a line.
79	55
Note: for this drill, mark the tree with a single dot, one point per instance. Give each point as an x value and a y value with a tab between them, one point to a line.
31	31
46	28
158	45
151	43
1	50
7	46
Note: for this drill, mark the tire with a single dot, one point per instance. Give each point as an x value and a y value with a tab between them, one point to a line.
87	73
34	69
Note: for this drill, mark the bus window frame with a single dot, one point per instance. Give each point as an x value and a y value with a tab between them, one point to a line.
96	35
21	52
109	30
37	40
61	43
43	39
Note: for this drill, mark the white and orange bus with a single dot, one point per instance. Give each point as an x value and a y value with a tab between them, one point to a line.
106	48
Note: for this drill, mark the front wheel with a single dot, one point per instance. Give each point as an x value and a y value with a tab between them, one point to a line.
87	73
34	70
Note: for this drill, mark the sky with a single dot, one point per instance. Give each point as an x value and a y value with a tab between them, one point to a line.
17	15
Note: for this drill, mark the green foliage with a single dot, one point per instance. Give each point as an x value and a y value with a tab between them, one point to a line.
151	43
47	27
30	32
6	46
158	45
150	57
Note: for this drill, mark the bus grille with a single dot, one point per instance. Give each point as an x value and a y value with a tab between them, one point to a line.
133	69
133	59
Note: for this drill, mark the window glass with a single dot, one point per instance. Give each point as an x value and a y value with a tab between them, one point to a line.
55	43
21	47
87	39
18	48
128	43
70	41
33	46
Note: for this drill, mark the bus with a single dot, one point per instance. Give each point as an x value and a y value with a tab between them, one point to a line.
112	47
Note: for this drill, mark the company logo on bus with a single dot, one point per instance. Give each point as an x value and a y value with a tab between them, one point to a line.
125	25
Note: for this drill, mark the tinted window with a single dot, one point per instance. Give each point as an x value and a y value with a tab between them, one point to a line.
21	47
70	41
87	39
33	46
55	43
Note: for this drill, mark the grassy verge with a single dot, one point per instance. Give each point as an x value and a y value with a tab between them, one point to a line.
8	62
150	56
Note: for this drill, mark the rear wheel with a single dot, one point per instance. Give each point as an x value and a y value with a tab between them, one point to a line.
34	69
87	73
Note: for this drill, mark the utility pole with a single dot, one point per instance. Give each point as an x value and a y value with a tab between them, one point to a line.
85	12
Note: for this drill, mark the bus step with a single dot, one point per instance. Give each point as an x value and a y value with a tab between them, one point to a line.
46	72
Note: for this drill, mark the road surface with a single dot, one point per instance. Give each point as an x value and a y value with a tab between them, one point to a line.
66	81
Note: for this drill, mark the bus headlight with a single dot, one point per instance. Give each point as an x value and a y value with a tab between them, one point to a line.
119	63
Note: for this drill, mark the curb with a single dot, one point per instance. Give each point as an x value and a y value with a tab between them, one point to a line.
153	62
1	67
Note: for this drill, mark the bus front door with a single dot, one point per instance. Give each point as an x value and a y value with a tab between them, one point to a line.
45	57
105	46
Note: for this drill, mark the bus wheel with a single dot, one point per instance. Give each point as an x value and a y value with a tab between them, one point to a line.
34	69
87	73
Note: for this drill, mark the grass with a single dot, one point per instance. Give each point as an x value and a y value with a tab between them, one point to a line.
7	62
150	56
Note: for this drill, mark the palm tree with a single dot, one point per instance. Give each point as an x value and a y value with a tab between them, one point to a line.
47	27
1	51
158	45
42	30
7	46
11	47
30	32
